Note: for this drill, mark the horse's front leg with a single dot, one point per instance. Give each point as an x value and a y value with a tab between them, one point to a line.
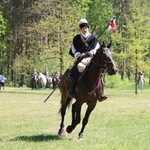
85	119
76	117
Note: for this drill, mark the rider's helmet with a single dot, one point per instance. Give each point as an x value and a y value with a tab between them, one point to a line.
83	22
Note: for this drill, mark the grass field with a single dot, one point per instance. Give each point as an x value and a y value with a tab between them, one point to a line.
122	122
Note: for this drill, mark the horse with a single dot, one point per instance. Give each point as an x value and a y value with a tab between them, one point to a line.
89	87
140	82
34	80
43	80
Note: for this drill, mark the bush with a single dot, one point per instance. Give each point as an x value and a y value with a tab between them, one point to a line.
116	82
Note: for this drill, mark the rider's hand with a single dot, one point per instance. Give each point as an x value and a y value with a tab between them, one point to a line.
90	53
81	55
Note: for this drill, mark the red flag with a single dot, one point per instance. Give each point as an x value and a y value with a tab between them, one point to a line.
112	25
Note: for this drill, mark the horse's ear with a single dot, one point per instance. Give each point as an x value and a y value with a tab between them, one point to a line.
100	44
109	45
103	44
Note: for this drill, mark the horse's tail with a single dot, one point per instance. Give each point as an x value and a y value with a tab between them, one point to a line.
67	104
69	101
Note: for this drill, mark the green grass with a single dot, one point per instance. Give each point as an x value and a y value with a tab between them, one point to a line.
122	122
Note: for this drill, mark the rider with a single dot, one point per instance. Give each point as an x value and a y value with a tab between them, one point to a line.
84	47
46	74
56	77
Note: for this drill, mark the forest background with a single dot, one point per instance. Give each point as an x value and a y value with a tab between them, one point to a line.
38	34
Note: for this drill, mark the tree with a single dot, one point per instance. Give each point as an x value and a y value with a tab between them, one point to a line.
3	41
53	31
137	28
40	33
100	13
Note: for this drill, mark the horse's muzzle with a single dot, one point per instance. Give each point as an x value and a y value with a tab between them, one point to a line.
112	71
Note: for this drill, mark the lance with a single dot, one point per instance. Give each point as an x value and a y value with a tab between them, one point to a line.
51	93
108	25
104	29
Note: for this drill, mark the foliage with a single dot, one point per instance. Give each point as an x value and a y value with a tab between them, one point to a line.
126	84
3	42
116	82
40	34
137	27
99	14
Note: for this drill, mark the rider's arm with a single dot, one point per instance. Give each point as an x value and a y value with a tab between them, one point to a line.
95	49
74	51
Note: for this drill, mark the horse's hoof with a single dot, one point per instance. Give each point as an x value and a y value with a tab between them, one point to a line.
62	132
80	136
69	129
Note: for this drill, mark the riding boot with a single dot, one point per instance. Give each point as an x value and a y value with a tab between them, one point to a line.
102	96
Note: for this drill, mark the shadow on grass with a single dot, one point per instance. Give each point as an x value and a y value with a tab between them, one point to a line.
37	138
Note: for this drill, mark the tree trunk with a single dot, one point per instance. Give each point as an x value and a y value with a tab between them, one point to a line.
136	74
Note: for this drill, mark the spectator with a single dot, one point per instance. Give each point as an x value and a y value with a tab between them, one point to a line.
34	79
2	81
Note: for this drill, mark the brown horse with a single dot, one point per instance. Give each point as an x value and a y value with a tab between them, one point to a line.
89	87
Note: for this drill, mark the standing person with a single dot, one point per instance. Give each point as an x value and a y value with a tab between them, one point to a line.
55	79
2	81
83	48
34	79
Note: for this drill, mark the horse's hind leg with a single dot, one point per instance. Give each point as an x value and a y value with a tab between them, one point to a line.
61	131
64	104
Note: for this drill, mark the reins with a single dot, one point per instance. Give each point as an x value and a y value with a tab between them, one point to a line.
99	67
96	86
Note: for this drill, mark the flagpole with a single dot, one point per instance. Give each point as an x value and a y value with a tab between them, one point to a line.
108	24
102	31
105	28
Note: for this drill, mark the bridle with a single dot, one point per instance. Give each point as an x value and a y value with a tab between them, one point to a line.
98	66
102	69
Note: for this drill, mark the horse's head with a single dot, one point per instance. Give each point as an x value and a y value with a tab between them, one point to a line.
107	62
40	75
